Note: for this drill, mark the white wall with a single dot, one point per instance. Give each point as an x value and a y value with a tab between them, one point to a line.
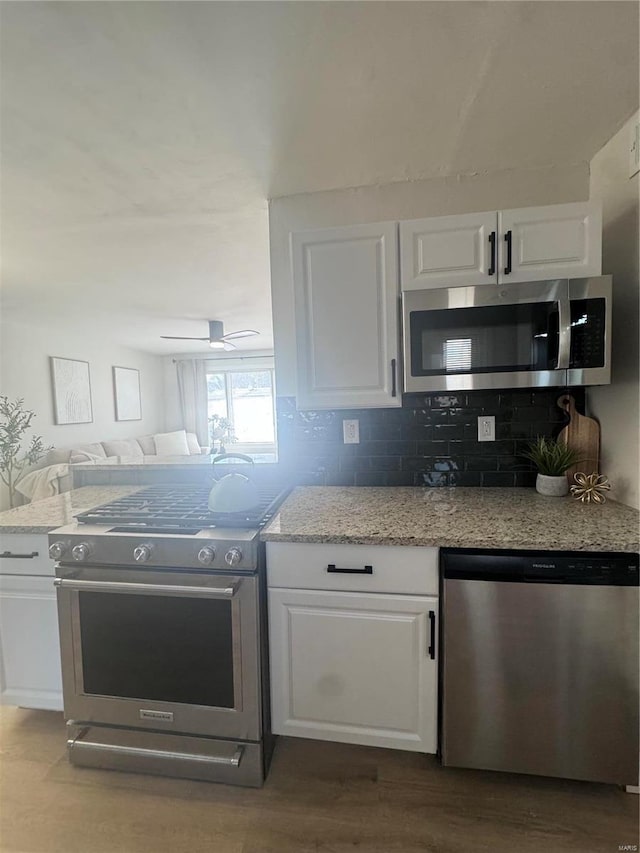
505	189
253	359
616	405
25	372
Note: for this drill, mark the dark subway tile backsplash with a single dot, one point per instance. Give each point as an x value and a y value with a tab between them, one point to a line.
430	441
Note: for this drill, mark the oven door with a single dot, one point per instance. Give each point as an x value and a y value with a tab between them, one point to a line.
162	650
490	336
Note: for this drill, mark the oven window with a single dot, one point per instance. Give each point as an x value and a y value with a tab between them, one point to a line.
157	647
487	339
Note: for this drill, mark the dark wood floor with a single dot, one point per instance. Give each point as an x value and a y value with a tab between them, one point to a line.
319	797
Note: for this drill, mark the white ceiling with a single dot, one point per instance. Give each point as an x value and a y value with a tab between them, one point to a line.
141	140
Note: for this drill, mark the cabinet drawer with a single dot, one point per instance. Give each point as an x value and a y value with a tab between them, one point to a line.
366	568
26	554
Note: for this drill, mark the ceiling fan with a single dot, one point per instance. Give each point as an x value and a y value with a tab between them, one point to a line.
217	338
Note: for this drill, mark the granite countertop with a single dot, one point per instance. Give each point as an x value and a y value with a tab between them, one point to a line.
50	513
452	518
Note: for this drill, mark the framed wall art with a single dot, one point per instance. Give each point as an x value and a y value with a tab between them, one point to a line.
126	391
71	391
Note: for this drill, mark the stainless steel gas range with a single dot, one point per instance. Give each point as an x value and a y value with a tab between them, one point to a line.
162	617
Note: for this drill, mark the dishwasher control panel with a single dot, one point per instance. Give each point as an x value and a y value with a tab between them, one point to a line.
596	568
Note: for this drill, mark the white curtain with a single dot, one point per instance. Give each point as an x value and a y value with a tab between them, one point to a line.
192	384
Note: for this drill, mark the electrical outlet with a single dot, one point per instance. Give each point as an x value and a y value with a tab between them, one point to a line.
486	428
351	432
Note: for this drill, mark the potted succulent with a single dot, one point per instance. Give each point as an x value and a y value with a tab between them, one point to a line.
552	459
15	421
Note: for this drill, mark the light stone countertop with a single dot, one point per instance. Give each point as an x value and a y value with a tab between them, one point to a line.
50	513
452	518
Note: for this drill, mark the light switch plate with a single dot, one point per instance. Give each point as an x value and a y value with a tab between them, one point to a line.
486	428
351	432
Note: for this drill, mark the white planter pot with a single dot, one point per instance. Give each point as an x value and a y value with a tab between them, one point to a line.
552	487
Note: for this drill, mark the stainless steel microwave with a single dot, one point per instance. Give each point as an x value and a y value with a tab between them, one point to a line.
527	335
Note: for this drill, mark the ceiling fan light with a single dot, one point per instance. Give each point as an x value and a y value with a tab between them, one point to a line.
216	344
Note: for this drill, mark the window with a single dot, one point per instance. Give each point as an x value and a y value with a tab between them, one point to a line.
246	398
457	354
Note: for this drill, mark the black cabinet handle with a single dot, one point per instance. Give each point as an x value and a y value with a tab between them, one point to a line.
432	634
9	555
393	378
492	243
508	240
368	570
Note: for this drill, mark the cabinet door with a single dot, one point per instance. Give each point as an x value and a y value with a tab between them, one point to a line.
354	668
29	644
447	251
346	292
560	241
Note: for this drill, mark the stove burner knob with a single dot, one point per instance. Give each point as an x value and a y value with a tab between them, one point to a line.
142	553
206	555
233	556
80	552
57	550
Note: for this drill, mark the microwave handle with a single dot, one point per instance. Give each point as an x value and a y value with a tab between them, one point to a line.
564	323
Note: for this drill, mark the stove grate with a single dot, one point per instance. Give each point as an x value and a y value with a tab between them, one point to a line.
181	506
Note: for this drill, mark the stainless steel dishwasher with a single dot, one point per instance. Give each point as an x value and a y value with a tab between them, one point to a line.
540	663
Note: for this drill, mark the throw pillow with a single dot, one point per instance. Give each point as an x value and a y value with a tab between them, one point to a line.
95	449
147	444
125	447
172	443
83	456
193	444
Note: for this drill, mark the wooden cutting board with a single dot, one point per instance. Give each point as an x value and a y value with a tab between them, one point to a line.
581	434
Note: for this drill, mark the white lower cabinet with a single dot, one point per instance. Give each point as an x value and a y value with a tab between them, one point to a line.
29	643
354	667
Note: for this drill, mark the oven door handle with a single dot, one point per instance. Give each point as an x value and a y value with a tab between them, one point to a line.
148	588
145	752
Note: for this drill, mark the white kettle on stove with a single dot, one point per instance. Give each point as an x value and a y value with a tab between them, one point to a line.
233	492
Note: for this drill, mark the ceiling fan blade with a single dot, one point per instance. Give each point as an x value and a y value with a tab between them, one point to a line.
181	338
243	333
229	346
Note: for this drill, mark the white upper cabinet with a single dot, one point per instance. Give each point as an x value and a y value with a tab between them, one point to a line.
446	251
346	294
560	241
529	244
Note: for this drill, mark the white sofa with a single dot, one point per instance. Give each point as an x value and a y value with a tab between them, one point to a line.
53	475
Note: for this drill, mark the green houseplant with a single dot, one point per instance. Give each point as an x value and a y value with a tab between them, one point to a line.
221	430
15	422
552	459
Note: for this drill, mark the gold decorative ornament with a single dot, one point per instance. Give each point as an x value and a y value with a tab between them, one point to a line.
590	488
